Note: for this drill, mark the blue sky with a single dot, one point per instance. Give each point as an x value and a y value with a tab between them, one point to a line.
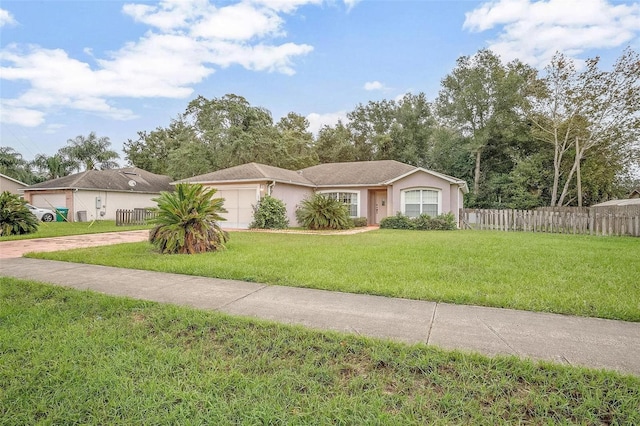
118	67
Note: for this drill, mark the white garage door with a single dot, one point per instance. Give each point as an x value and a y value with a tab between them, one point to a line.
47	201
238	203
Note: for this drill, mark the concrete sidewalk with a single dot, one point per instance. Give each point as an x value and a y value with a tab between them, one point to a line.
563	339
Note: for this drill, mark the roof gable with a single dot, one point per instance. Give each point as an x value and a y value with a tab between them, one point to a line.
13	180
129	179
461	183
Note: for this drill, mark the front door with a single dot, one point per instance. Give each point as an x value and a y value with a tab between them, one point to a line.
380	205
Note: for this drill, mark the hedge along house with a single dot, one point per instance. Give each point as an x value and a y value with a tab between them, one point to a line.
371	189
99	193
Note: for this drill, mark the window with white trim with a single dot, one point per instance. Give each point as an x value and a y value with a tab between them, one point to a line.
421	201
349	198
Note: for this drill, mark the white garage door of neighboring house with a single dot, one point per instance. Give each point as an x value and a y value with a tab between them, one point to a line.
47	201
239	204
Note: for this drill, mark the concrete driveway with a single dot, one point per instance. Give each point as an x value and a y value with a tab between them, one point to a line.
13	249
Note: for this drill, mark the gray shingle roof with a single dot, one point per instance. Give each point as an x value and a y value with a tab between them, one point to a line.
251	171
110	180
356	173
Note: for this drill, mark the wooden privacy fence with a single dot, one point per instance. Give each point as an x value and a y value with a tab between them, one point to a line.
133	217
619	220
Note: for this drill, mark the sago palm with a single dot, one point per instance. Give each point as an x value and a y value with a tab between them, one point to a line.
187	219
320	212
15	217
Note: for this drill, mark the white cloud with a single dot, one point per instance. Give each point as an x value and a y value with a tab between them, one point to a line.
189	39
374	85
317	121
240	21
53	128
351	3
534	30
26	117
168	15
6	18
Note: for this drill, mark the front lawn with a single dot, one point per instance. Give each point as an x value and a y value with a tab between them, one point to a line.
73	357
570	274
63	229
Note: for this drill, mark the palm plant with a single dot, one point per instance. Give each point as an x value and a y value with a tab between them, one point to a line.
320	212
55	166
15	217
187	219
91	152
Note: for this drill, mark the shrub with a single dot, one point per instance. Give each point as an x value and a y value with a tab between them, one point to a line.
187	221
15	217
424	222
399	221
359	222
270	213
320	212
444	222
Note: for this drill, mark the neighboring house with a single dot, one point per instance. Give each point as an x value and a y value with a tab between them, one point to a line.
12	185
371	189
619	203
635	193
99	193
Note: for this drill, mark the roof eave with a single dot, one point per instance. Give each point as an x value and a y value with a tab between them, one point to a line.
67	188
232	181
352	185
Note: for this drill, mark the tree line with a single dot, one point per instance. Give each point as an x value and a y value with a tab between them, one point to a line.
521	138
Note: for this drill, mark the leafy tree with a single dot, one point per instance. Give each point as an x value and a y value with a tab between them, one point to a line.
412	131
577	112
270	213
15	217
91	152
217	133
152	150
333	144
319	212
449	154
297	150
234	131
481	98
187	221
382	130
370	127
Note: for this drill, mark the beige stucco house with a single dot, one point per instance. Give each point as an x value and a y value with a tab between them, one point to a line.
99	193
371	189
12	185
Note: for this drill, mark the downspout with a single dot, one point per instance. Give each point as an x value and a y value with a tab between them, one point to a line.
270	187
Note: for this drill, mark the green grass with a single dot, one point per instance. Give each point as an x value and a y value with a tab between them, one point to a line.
63	229
73	357
570	274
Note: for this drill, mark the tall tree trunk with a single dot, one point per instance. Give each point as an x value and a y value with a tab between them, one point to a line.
574	168
578	178
476	174
557	160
